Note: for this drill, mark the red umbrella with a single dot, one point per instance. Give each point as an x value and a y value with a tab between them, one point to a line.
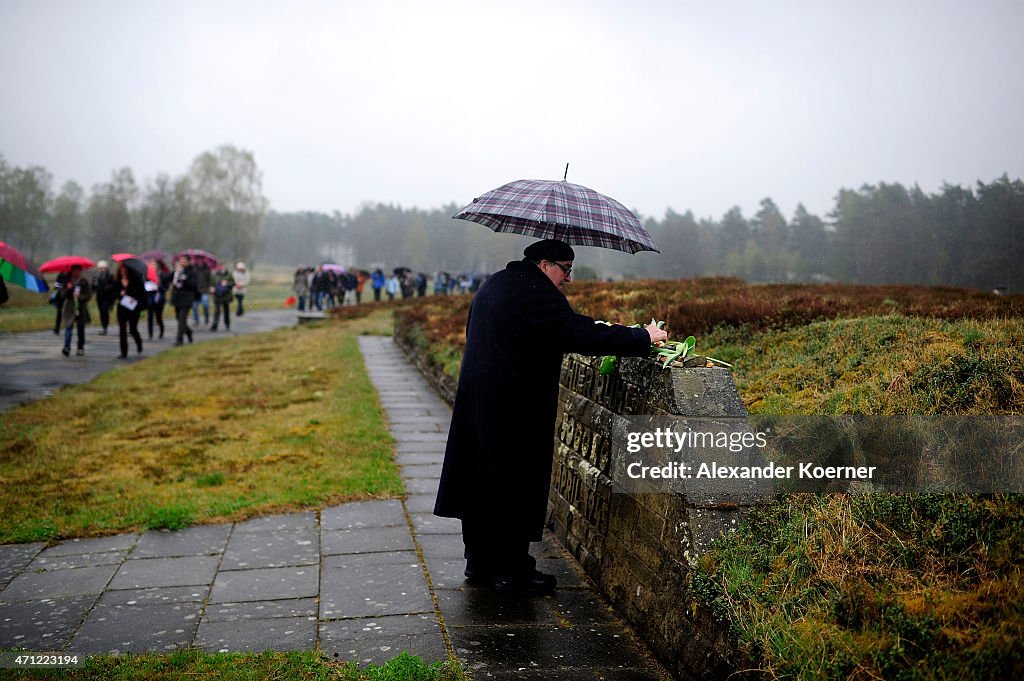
65	262
144	269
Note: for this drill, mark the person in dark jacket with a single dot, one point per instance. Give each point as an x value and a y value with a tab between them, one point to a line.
183	294
222	291
497	464
131	299
105	288
75	295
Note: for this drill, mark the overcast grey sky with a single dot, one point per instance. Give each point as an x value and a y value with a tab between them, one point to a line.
689	105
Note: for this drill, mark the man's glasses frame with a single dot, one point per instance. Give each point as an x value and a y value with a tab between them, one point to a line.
566	269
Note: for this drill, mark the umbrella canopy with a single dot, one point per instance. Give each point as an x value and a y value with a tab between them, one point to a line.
14	268
197	253
156	254
142	269
65	262
332	267
556	209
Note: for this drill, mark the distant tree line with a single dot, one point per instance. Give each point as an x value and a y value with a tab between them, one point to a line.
217	205
877	234
883	233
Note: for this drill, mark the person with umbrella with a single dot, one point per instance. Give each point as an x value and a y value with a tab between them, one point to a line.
131	296
497	464
75	294
183	293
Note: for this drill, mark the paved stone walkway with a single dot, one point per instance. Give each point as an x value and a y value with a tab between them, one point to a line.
363	581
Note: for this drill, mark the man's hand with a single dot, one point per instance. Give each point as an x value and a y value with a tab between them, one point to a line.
657	335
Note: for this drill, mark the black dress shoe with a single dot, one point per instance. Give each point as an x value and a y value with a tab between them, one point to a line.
481	578
533	584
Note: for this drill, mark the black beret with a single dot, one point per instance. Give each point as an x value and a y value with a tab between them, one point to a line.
549	249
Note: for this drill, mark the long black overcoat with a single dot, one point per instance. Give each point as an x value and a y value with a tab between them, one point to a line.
497	464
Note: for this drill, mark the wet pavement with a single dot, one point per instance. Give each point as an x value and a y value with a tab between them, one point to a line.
364	580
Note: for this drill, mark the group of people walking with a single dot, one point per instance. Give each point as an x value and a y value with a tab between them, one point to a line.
326	286
188	287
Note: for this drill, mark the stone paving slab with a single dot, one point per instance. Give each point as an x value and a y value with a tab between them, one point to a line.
201	540
424	471
257	635
14	558
378	639
48	562
545	647
363	514
367	540
428	523
156	595
31	586
141	573
272	549
280	523
291	608
73	547
373	585
264	584
41	625
140	628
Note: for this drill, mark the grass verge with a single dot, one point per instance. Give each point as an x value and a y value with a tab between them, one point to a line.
874	586
292	666
878	365
220	431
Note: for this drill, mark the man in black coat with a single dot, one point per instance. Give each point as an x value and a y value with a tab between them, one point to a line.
184	292
497	465
105	289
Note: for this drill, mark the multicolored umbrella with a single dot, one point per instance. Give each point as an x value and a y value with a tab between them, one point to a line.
556	209
65	262
14	268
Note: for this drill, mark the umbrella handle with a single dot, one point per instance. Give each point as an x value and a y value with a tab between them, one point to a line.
565	177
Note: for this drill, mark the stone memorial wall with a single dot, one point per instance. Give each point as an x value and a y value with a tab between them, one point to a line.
637	548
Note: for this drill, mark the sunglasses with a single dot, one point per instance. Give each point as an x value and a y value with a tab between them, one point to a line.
566	269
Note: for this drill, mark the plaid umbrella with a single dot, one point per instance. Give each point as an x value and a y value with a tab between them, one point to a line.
556	209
